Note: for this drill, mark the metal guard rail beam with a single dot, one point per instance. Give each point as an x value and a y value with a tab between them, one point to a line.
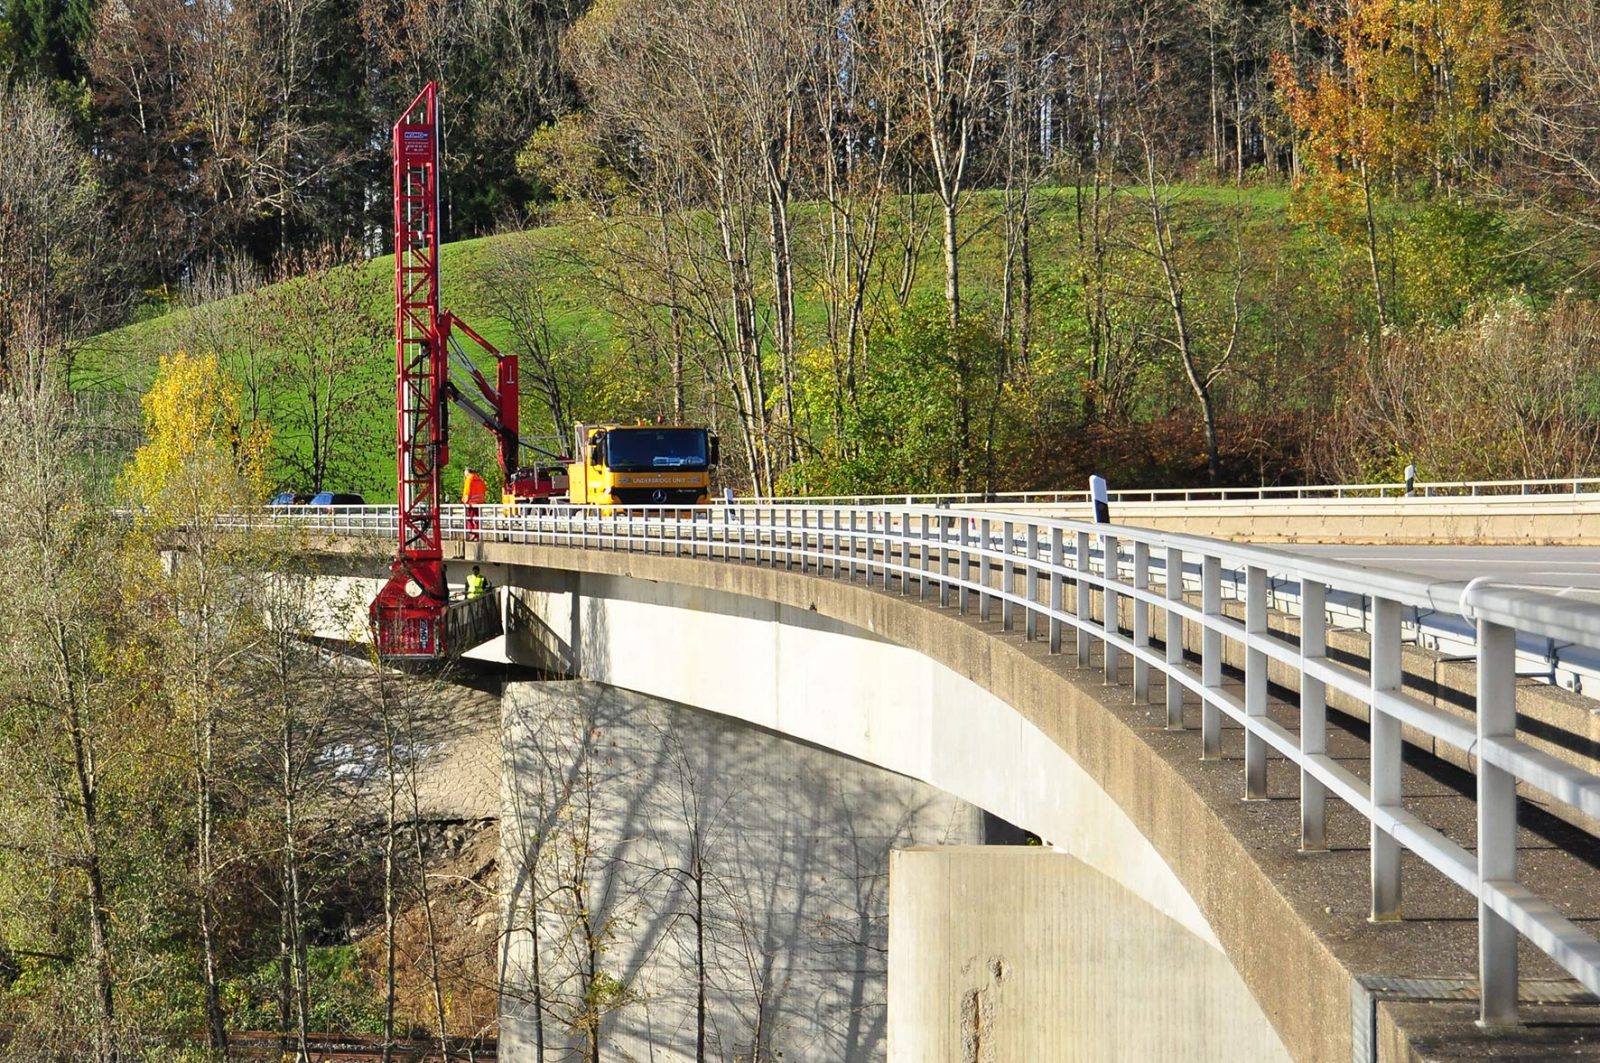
1547	488
953	556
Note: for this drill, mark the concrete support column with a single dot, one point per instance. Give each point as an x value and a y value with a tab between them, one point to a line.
1011	954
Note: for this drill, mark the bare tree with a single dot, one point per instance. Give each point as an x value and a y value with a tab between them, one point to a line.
63	694
1551	125
854	110
1201	367
324	325
646	84
55	240
516	285
297	715
228	315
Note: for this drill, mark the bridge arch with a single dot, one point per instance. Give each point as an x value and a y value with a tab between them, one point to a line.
934	696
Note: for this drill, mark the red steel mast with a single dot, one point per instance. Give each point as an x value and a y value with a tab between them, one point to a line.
410	614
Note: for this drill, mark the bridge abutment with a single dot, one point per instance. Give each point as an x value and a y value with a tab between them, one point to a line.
1015	954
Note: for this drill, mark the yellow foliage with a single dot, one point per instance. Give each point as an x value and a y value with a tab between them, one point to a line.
1411	91
200	455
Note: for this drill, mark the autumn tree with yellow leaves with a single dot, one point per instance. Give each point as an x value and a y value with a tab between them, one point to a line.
1408	93
202	459
201	455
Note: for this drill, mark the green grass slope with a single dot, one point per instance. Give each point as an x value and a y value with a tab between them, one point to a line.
1302	288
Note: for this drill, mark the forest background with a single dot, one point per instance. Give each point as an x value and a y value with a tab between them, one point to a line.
906	245
911	245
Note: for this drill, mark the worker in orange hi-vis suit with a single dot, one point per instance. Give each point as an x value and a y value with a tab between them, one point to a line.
473	492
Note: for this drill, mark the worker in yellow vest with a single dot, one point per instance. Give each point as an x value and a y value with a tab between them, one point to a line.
477	584
473	492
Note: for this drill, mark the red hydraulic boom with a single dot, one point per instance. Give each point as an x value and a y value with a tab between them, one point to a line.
410	614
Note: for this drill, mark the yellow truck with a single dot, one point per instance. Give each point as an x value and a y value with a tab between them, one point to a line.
641	465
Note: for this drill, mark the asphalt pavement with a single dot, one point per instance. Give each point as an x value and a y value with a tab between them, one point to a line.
1573	570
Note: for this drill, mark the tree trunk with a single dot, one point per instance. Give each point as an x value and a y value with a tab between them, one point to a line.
1199	380
960	463
1372	249
783	298
205	734
85	776
952	257
700	972
390	912
426	896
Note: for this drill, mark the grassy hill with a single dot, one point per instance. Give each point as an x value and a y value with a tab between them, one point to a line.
1302	289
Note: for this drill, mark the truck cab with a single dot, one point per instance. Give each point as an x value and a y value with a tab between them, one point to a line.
641	465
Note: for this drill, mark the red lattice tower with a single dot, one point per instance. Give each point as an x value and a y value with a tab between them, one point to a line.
408	614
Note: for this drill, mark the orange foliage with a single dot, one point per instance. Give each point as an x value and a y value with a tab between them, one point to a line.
1410	91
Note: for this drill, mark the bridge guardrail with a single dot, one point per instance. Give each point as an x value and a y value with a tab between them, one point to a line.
1577	485
952	557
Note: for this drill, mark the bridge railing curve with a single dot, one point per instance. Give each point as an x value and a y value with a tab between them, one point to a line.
1537	488
1024	568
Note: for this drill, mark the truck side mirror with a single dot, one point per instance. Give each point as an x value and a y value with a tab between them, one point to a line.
596	447
716	451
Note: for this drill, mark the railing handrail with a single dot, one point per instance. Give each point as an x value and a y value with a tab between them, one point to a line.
953	555
1543	614
1572	485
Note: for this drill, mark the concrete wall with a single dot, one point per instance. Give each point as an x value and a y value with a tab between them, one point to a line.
1012	955
792	844
1491	519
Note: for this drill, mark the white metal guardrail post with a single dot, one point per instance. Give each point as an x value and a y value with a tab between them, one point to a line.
964	580
944	561
1108	603
1008	573
1255	683
1174	638
1141	621
805	543
922	556
1058	563
1031	621
836	553
857	565
1211	657
984	569
1497	821
1080	630
1384	749
1313	715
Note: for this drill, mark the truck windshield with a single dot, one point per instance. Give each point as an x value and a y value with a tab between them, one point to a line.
656	448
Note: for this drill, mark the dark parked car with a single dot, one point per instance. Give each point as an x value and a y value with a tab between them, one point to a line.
290	498
338	498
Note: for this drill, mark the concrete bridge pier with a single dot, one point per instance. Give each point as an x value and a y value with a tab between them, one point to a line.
1018	954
